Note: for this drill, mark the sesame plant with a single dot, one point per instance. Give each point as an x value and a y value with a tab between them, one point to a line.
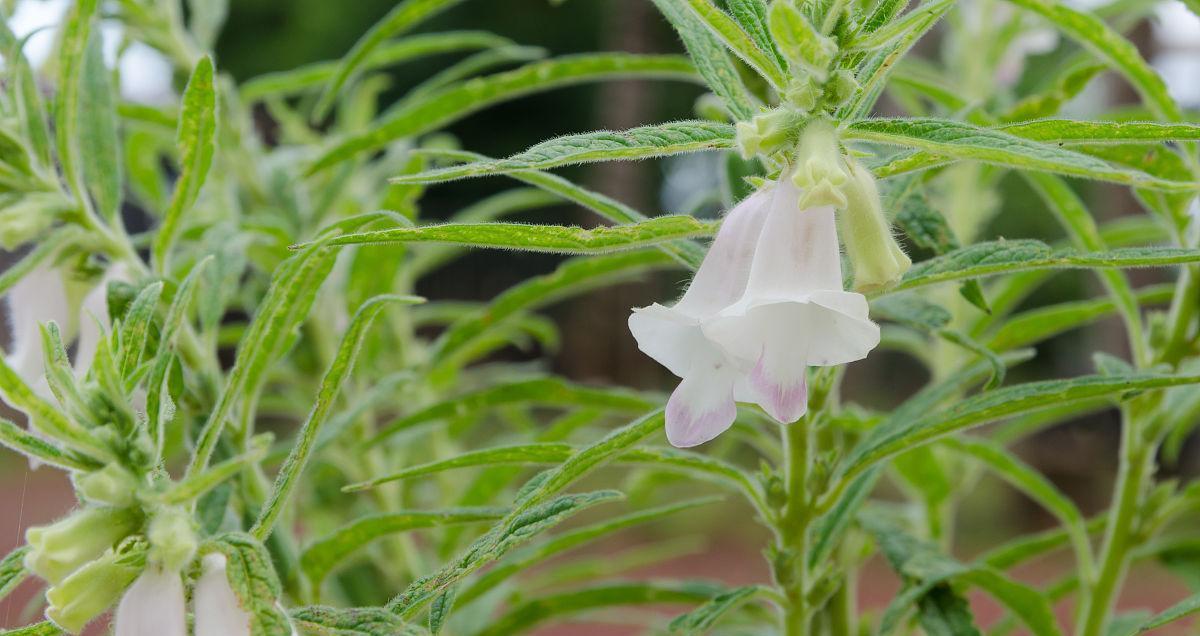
214	330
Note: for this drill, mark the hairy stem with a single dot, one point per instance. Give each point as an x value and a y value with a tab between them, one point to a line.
799	442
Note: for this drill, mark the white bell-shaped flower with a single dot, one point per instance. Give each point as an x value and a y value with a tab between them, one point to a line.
766	303
152	606
217	608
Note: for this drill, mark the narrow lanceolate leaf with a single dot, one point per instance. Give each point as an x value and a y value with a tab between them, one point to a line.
1000	257
962	141
36	448
44	628
538	392
305	78
752	15
896	435
1182	609
355	621
701	619
72	49
544	238
689	253
638	143
402	17
135	327
254	582
326	553
711	59
515	530
928	573
12	570
175	320
98	143
1036	325
196	141
48	419
737	40
331	385
451	103
541	609
1102	132
526	558
1108	45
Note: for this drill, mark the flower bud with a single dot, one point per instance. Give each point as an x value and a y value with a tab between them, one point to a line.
766	133
112	485
62	547
172	538
877	258
92	589
820	169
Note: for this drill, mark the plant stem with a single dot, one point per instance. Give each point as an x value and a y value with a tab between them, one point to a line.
1136	470
799	442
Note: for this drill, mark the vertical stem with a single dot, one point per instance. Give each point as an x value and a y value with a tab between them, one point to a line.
799	442
1132	480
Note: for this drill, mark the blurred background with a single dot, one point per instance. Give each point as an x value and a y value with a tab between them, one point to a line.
261	36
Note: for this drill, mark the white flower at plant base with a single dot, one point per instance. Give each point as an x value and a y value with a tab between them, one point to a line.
766	303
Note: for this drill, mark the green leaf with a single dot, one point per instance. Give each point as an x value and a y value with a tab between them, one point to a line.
1048	103
711	59
638	143
68	107
99	144
196	485
36	448
196	140
962	141
514	530
539	392
896	435
589	459
1071	131
1039	324
401	18
357	621
1002	257
49	420
451	103
29	107
1108	45
1182	609
541	609
12	570
801	44
527	558
728	31
324	554
927	569
304	78
943	612
331	385
873	71
688	253
44	628
543	238
701	619
135	327
254	582
752	16
156	388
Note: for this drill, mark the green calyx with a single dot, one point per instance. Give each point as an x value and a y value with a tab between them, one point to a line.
63	547
93	588
878	260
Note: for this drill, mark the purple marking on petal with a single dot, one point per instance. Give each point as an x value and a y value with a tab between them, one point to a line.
687	428
784	402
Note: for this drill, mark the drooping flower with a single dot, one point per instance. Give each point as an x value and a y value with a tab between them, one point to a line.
766	304
217	609
152	606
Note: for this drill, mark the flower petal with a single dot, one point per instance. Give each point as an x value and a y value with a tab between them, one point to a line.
797	251
722	276
40	296
218	610
702	406
152	606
